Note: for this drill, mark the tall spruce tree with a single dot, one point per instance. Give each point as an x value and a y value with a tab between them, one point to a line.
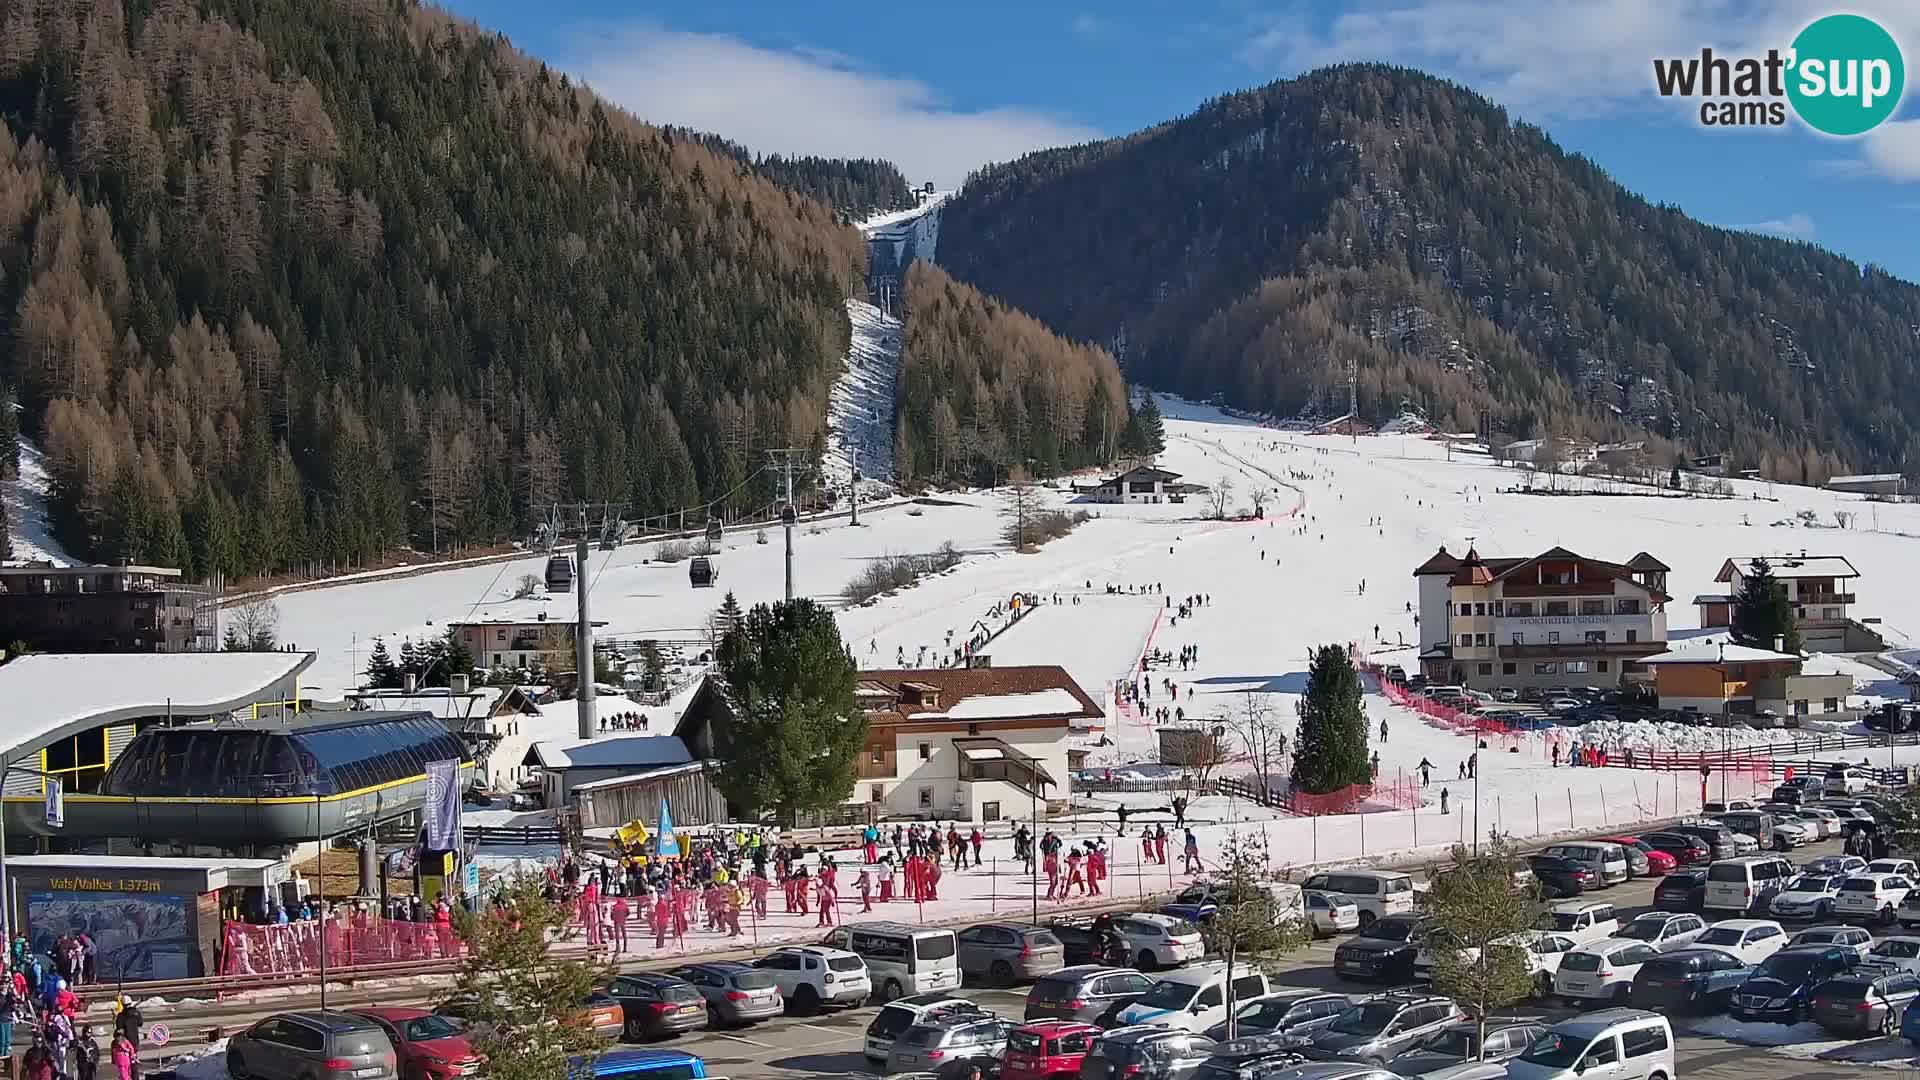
382	672
790	734
1761	612
1330	747
1153	428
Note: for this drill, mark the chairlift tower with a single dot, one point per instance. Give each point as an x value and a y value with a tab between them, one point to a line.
576	518
785	460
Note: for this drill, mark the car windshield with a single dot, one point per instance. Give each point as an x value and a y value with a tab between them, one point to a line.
1899	950
845	963
1727	872
1454	1042
1554	1050
1559	920
924	1035
1859	884
678	992
891	1020
1643	929
752	980
1025	1042
1721	936
1811	883
1816	937
424	1028
1389	930
1792	970
936	947
1169	995
1262	1013
1369	1019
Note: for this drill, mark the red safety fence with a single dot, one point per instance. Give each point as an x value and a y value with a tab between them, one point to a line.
294	947
1399	794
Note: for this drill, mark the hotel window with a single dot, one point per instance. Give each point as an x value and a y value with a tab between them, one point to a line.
1830	704
1553	637
1593	607
1600	666
1633	635
1520	609
1466	641
1479	609
1509	669
1480	640
1596	637
926	751
1576	667
1466	610
879	794
1626	605
1486	669
1830	613
926	797
500	634
1499	608
879	754
1519	638
1559	607
1548	667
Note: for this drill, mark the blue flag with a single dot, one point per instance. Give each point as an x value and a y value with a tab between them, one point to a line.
665	843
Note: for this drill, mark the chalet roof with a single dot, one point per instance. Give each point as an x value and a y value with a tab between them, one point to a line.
1474	570
1644	561
1145	472
1716	654
1713	598
1802	565
1438	563
995	693
617	752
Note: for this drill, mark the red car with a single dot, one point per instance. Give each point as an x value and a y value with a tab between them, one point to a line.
1047	1049
1659	863
429	1046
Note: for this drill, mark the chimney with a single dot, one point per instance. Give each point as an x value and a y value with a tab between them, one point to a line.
457	683
409	683
1779	643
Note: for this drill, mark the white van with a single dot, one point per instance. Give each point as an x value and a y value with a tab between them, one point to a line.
1375	892
1746	883
902	959
1195	998
1607	861
1612	1044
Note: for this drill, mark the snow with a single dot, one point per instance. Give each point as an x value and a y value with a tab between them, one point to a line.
206	1063
46	692
860	405
26	502
1054	702
1263	617
1714	653
1807	1042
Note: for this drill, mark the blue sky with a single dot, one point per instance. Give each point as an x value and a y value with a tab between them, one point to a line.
941	88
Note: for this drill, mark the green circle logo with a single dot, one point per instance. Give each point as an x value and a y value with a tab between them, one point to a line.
1847	75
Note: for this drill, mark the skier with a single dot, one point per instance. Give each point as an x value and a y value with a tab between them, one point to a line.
1426	771
1383	731
1190	859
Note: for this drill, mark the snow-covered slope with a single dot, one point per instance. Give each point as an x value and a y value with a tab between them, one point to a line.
897	238
860	410
26	500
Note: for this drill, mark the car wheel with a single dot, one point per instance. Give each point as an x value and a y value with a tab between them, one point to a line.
1887	1025
713	1016
1887	915
1148	961
1543	985
1622	992
889	990
1001	973
631	1030
806	1001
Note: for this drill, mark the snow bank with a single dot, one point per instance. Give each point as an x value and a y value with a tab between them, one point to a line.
207	1063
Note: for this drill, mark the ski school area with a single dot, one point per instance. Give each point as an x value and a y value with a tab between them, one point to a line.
1172	620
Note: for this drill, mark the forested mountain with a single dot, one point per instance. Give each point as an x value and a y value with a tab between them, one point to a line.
984	389
1466	263
858	187
305	280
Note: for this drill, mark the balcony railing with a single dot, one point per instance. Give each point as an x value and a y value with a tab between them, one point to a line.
1814	599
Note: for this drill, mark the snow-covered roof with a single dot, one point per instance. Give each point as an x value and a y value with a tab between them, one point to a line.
642	774
1791	566
52	694
973	694
614	752
1865	478
1715	654
1055	702
476	704
1713	598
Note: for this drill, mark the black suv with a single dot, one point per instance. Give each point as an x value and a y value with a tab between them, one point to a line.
1384	951
1781	987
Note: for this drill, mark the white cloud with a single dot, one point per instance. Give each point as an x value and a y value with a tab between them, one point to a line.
1893	148
1793	226
806	101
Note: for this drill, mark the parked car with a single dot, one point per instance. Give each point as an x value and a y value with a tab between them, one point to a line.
1088	993
1146	1053
1081	936
1835	865
1543	953
1659	863
1872	896
1750	940
1682	849
1602	970
1195	998
951	1041
1807	896
1005	952
1780	990
429	1047
1868	1000
1154	941
1383	951
1717	837
658	1006
1691	979
1328	915
1809	787
641	1065
1440	1055
896	1016
812	976
1850	937
1682	890
1383	1027
1047	1050
1747	883
1906	868
1268	1057
1562	878
1715	809
313	1045
1847	780
1377	893
736	993
1618	1044
1896	952
1663	931
1581	920
1608	860
1300	1013
1908	913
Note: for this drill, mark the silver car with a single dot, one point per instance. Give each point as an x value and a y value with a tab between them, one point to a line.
312	1046
953	1037
1006	952
736	993
1329	914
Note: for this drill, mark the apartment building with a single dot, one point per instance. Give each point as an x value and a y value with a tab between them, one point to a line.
103	609
1553	619
1820	587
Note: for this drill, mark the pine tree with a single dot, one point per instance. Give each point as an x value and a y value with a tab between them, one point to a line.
790	735
1153	429
1330	747
382	674
409	659
456	658
1761	612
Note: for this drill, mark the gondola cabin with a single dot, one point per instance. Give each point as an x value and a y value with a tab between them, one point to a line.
700	571
714	531
559	574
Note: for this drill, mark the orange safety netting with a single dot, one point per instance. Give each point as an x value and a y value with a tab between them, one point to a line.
294	948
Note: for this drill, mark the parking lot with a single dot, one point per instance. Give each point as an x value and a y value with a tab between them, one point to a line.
790	1048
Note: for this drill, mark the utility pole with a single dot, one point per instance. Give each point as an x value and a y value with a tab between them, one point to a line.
784	458
1353	397
853	483
583	639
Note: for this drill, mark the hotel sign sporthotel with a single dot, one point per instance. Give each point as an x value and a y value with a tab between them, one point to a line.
103	884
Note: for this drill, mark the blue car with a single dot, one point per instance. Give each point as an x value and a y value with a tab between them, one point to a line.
644	1065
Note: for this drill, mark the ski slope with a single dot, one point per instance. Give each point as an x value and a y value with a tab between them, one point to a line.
1264	614
26	503
860	406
